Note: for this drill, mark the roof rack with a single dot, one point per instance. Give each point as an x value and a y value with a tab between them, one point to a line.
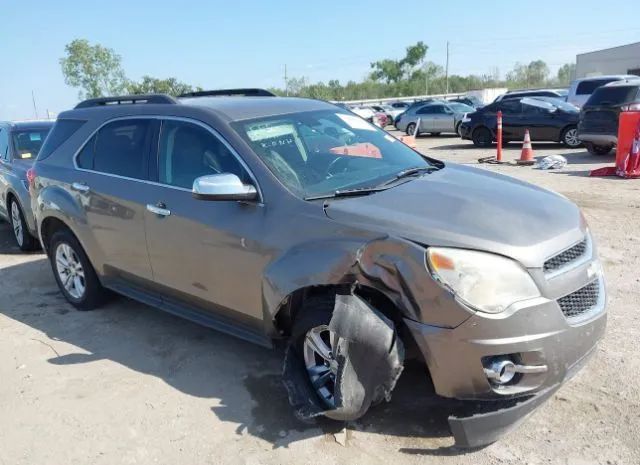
126	99
230	92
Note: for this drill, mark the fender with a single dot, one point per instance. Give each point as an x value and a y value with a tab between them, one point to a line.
55	202
393	266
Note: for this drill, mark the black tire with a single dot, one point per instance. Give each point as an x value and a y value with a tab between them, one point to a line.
94	294
482	137
598	150
25	241
569	137
411	127
435	134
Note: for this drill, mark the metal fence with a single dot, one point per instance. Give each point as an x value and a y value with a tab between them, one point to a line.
396	99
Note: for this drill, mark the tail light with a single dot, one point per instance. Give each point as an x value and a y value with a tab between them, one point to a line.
631	107
31	176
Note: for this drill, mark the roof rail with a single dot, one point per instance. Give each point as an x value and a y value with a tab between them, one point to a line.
126	99
229	92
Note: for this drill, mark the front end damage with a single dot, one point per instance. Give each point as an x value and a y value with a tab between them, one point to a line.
456	343
369	356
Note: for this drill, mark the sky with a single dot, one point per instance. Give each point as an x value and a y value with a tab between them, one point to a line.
217	44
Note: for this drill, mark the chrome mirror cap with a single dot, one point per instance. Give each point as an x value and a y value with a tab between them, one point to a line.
225	186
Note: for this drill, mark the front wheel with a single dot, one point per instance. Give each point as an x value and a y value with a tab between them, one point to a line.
21	233
482	137
599	150
570	137
74	273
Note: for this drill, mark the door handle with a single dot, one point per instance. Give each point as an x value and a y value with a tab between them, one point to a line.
80	187
158	209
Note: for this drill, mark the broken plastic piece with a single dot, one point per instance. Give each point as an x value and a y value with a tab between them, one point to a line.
370	358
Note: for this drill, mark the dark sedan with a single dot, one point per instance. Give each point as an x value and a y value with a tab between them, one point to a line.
548	119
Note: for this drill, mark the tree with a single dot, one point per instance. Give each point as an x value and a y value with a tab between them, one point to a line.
151	85
94	69
566	74
392	71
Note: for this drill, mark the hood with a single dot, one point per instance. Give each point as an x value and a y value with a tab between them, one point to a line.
460	206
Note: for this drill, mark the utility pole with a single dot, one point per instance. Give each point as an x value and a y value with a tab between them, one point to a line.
447	71
286	82
33	98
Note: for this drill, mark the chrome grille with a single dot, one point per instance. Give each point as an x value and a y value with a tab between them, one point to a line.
566	257
580	301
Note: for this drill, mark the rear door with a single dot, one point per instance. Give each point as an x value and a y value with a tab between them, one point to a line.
112	184
512	122
541	122
443	119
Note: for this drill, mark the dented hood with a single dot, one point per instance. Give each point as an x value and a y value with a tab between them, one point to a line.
460	206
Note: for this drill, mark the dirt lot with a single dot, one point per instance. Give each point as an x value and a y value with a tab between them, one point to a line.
129	384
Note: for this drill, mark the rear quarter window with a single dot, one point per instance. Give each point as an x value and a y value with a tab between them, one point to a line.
61	131
587	87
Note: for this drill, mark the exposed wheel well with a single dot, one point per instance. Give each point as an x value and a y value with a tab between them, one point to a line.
10	197
48	228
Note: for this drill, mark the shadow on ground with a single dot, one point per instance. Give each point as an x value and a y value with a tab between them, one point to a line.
242	380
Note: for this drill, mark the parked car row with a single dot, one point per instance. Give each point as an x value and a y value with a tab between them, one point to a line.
293	222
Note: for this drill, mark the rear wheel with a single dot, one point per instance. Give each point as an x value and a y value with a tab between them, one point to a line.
411	128
482	137
74	273
21	233
599	150
570	137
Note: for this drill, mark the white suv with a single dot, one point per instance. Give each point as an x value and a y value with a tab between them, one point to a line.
581	89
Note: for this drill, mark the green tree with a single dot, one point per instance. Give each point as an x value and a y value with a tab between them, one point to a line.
393	71
566	74
94	69
151	85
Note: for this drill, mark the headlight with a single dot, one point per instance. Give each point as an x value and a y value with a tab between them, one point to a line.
485	281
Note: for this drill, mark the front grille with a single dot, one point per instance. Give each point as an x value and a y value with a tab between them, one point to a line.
566	257
581	301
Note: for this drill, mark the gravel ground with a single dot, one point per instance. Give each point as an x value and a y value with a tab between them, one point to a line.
129	384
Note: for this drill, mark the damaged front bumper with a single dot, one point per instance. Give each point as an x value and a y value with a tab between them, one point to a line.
537	335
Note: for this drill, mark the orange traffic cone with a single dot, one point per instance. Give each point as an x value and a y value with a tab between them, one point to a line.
526	157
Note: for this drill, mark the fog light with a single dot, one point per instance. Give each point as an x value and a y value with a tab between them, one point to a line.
500	371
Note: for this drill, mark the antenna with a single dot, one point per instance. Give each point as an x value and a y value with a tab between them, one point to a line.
33	98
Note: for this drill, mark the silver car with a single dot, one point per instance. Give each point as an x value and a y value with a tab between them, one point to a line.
292	222
20	143
435	118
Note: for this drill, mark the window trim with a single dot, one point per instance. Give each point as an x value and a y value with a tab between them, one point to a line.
155	150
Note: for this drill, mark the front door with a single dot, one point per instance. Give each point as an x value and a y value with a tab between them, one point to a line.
205	253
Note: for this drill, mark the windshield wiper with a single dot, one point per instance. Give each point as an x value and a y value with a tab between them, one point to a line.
346	193
417	170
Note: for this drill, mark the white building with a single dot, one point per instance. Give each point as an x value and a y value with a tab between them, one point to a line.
617	60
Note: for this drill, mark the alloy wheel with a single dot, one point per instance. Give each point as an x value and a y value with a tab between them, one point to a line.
16	222
70	271
322	366
571	138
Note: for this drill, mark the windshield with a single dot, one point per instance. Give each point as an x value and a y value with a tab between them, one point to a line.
461	108
27	142
320	152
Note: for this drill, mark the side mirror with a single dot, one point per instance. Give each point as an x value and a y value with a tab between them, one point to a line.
225	186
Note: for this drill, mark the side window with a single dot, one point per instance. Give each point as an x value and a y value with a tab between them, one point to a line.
4	144
587	87
118	148
188	151
511	107
428	110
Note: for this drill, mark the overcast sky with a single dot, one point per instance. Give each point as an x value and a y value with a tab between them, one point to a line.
218	44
